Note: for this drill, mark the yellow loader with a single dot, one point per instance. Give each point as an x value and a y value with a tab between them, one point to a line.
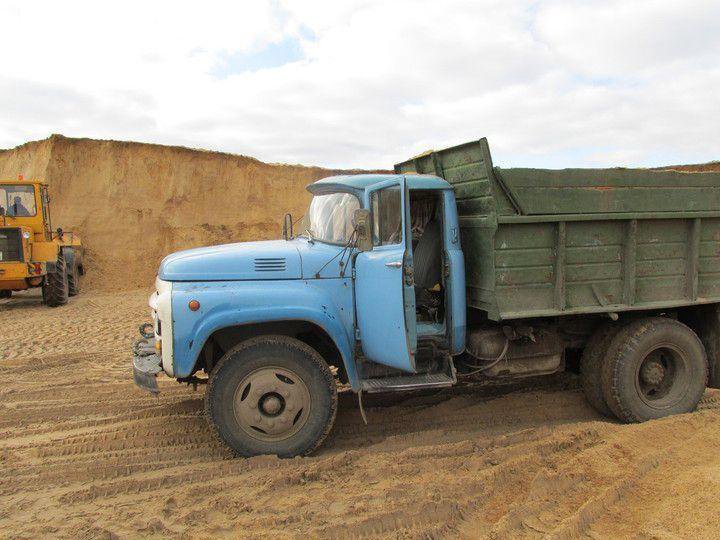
32	254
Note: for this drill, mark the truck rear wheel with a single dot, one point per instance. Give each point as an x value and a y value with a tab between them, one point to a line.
55	285
654	367
591	368
272	395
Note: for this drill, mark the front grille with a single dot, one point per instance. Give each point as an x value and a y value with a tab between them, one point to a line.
270	264
10	245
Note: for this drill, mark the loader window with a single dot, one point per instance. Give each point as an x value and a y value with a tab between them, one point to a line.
17	201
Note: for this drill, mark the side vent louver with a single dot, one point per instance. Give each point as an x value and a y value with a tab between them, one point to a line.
270	264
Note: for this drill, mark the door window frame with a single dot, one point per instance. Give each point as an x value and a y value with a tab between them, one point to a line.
375	213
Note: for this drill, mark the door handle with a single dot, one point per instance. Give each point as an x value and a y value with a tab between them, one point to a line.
396	264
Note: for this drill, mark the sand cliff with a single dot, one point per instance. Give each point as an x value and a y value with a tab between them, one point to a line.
134	203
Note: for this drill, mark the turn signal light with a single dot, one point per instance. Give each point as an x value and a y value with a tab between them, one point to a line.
194	305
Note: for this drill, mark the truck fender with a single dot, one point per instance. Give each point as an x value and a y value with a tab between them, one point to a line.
260	302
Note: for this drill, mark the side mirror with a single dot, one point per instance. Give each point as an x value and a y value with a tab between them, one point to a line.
287	228
361	220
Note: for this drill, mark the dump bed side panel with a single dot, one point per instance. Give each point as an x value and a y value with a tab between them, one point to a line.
573	267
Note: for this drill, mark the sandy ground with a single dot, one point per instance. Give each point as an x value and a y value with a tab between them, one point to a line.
83	453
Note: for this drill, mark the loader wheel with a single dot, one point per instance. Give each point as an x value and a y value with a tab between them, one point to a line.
55	286
73	273
272	395
591	367
655	367
5	294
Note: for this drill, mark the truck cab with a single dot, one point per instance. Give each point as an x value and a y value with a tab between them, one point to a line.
370	287
408	293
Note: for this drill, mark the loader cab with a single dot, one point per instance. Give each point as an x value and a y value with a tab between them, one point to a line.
25	203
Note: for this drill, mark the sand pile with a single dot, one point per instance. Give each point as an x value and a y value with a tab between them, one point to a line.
711	166
134	203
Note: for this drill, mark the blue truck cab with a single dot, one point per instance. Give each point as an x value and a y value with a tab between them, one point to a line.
369	291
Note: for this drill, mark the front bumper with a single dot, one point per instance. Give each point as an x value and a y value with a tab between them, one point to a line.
146	365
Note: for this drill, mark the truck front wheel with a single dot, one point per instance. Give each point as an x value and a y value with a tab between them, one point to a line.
654	367
272	395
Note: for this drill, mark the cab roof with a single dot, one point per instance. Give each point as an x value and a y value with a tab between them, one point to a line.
360	182
21	181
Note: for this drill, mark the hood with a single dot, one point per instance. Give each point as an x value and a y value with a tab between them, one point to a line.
276	259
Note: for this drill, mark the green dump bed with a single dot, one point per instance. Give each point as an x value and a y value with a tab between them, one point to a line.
555	242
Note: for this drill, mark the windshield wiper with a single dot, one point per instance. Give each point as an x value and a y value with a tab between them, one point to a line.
349	246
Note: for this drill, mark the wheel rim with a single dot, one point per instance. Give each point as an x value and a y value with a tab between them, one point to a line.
271	404
663	376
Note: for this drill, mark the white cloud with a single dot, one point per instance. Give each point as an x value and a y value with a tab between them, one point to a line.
629	39
550	83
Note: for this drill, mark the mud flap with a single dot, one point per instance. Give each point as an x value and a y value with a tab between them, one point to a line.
145	378
146	365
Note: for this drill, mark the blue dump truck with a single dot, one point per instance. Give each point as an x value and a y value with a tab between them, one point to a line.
449	267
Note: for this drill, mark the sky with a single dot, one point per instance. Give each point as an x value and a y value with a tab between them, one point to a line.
367	83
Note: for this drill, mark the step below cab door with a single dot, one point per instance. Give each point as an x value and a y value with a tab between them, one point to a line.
384	285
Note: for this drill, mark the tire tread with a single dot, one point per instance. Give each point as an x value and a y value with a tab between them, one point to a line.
55	287
591	367
624	344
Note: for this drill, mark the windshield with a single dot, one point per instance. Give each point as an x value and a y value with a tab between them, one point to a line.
329	218
17	201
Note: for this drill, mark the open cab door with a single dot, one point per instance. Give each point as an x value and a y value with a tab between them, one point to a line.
384	285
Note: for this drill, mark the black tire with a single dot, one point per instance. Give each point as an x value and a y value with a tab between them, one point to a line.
55	285
591	368
655	367
5	294
73	272
231	391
